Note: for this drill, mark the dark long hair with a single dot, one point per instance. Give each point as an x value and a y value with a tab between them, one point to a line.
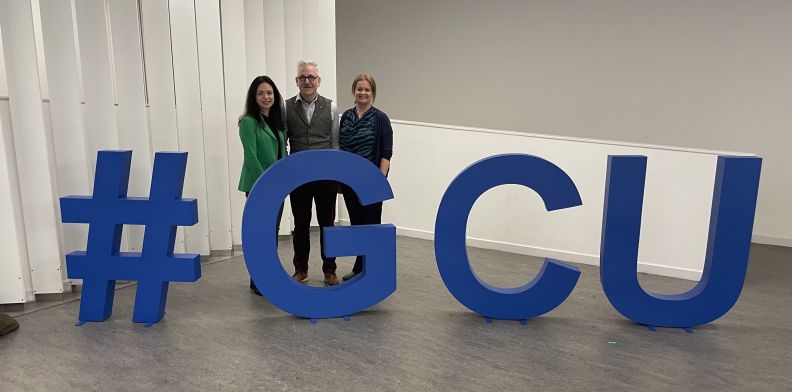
275	118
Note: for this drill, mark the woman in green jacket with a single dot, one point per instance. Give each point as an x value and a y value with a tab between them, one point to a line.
261	129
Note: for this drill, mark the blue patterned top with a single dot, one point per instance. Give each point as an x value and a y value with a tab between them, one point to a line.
358	135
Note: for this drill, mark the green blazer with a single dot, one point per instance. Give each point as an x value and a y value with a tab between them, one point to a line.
260	148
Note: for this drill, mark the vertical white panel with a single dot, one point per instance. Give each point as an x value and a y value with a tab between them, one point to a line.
318	41
312	38
188	111
163	128
65	110
254	38
98	76
77	59
3	83
275	42
15	280
99	108
131	119
293	15
50	152
159	75
32	145
236	84
327	35
210	58
38	34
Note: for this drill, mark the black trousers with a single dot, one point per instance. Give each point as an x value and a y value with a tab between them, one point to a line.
360	215
323	193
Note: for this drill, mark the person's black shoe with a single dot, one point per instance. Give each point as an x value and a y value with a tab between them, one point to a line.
7	324
254	288
349	276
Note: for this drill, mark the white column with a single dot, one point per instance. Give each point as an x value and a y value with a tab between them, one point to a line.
275	42
312	36
277	69
32	145
188	112
3	83
318	27
37	33
159	75
131	118
292	15
236	84
327	50
16	284
254	39
255	56
162	124
210	58
99	109
65	110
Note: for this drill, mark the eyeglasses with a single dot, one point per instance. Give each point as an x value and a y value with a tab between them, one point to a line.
311	79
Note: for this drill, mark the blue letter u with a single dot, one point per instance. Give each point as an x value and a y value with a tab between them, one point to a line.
728	245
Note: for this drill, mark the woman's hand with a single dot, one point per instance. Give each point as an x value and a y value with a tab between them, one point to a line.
384	166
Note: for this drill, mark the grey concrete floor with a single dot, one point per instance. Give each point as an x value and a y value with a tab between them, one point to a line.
217	336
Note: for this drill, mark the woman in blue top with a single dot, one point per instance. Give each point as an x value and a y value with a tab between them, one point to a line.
365	131
261	130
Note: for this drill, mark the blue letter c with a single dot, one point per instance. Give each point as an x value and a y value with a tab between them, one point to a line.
556	280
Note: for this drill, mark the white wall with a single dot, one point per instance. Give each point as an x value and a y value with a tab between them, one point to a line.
713	74
143	75
679	185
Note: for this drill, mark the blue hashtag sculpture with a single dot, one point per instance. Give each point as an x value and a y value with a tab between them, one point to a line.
107	211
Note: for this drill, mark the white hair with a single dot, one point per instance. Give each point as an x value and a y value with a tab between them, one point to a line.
303	63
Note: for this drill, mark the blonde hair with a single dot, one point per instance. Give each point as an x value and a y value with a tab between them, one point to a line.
303	63
368	78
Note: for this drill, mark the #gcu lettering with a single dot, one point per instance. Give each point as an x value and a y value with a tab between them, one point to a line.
731	224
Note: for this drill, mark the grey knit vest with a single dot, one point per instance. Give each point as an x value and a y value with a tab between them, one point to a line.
308	135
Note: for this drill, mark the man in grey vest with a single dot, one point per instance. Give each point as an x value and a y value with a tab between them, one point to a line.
312	123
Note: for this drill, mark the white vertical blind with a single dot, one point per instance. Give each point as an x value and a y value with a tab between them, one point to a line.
236	84
210	59
32	145
188	114
144	75
131	119
254	39
3	84
292	16
327	50
163	128
99	109
68	129
16	284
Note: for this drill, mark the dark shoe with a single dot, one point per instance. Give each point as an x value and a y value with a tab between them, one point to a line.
349	276
7	324
254	288
330	279
300	276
